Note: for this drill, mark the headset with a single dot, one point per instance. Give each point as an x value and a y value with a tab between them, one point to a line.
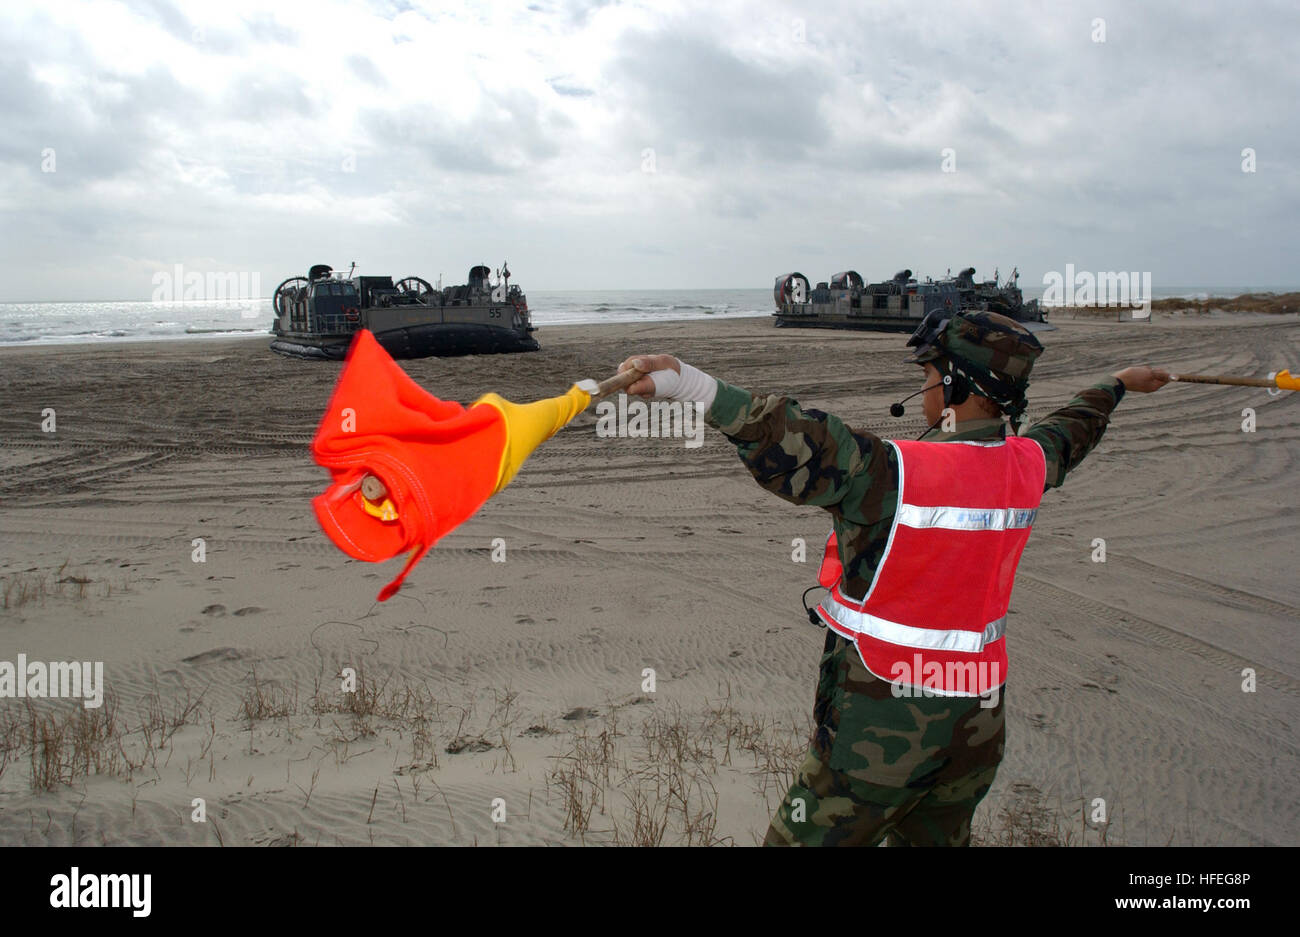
956	385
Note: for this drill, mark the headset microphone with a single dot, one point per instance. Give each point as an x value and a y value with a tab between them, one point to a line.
896	409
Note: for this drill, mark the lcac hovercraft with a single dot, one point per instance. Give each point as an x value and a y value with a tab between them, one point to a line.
316	316
898	304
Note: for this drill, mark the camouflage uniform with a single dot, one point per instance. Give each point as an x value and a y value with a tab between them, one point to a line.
910	769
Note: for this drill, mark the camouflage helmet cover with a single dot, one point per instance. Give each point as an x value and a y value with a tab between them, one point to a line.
995	352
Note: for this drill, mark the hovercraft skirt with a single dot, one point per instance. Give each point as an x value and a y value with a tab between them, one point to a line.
441	340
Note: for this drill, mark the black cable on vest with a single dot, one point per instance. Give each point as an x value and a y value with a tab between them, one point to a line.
928	430
812	613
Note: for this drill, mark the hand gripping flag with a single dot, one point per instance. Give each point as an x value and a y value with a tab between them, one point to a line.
407	468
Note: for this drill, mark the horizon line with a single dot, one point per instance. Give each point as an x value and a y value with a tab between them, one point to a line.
1262	288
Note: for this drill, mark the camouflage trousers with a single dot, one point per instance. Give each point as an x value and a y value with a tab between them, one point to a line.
910	769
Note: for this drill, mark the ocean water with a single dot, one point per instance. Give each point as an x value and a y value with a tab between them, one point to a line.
76	322
61	323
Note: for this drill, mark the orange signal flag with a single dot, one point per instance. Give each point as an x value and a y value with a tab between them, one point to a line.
437	462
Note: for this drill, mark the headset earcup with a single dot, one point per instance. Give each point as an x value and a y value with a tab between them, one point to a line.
956	388
960	390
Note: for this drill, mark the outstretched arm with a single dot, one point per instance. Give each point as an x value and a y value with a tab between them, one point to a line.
802	455
1067	435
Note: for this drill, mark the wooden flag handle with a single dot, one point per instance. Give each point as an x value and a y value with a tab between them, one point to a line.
620	381
373	489
1222	379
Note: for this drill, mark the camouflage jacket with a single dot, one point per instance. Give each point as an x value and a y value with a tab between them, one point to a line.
811	457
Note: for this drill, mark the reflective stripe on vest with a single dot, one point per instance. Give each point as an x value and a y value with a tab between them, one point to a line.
950	518
939	596
892	632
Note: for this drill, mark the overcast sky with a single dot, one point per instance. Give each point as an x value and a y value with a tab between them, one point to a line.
641	145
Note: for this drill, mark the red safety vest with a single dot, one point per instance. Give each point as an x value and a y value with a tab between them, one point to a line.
934	616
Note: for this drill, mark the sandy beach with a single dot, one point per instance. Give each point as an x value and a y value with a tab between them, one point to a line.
507	702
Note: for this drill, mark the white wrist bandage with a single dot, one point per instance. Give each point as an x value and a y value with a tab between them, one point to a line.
691	385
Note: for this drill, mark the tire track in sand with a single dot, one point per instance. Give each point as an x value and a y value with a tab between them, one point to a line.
1128	625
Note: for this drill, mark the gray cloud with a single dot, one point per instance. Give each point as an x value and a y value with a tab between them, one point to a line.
559	86
367	71
508	133
166	14
688	89
523	131
264	27
262	96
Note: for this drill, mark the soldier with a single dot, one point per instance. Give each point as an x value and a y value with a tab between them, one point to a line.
909	707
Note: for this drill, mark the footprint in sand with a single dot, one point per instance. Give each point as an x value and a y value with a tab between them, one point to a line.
523	620
247	610
581	712
466	744
1094	686
216	654
216	610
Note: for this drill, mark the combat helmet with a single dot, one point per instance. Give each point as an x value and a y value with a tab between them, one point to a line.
983	353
